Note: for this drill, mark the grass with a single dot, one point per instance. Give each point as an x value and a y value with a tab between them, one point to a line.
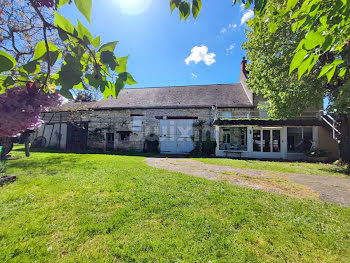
273	182
283	167
105	208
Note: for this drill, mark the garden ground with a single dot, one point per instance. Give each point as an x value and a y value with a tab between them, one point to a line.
105	208
327	188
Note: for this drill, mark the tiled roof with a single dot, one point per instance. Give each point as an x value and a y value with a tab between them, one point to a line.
222	95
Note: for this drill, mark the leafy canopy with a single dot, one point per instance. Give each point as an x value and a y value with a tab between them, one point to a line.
270	55
83	63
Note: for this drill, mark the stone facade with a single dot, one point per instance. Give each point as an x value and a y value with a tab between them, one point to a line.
102	123
118	121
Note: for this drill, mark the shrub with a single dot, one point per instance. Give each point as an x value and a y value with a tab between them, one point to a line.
208	147
151	144
317	153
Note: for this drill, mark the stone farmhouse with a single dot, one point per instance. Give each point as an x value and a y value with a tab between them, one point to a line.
178	118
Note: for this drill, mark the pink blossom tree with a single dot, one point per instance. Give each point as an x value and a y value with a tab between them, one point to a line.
20	109
33	63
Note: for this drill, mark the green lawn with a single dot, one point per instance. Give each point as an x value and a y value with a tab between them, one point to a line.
284	167
106	208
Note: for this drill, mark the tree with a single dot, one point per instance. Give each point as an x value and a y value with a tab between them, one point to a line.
87	95
319	50
32	62
85	63
21	30
270	55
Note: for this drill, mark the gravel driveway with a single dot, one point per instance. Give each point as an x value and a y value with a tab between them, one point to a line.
326	188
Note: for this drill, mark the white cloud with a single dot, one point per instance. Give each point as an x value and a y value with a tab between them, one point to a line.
194	76
229	50
200	53
242	7
229	27
223	30
246	16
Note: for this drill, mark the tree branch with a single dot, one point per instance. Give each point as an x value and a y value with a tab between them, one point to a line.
48	55
48	25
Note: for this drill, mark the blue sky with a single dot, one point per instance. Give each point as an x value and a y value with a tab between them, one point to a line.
159	43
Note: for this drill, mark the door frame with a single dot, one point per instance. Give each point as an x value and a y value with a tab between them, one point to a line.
172	132
271	153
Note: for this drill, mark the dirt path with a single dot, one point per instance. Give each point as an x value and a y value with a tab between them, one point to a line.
326	188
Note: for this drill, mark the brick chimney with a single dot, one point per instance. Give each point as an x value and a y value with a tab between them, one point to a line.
243	75
243	65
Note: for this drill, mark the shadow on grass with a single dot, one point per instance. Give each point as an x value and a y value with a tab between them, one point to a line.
341	170
51	163
136	154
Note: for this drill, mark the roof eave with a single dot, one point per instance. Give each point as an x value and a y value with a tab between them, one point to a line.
152	107
272	123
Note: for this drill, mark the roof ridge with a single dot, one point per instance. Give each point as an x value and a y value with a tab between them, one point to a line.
182	86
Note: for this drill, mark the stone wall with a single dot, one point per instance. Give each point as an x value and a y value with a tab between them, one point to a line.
326	142
101	122
117	121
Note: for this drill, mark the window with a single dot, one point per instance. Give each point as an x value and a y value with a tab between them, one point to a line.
299	140
263	114
256	140
276	141
110	137
233	139
226	115
124	135
227	136
266	140
137	123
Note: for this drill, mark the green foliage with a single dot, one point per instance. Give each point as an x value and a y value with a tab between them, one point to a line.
40	50
196	7
85	34
2	167
184	8
32	67
126	77
60	3
82	64
325	26
342	101
64	24
84	7
208	147
270	54
318	153
6	62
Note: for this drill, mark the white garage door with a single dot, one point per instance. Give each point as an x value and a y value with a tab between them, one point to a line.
176	136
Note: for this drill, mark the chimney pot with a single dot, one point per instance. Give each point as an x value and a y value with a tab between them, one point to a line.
243	65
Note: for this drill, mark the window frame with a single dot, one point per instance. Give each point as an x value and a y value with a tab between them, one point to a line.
271	141
137	122
232	133
302	138
228	113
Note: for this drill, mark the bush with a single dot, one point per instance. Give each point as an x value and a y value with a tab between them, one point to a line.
208	147
317	153
151	144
